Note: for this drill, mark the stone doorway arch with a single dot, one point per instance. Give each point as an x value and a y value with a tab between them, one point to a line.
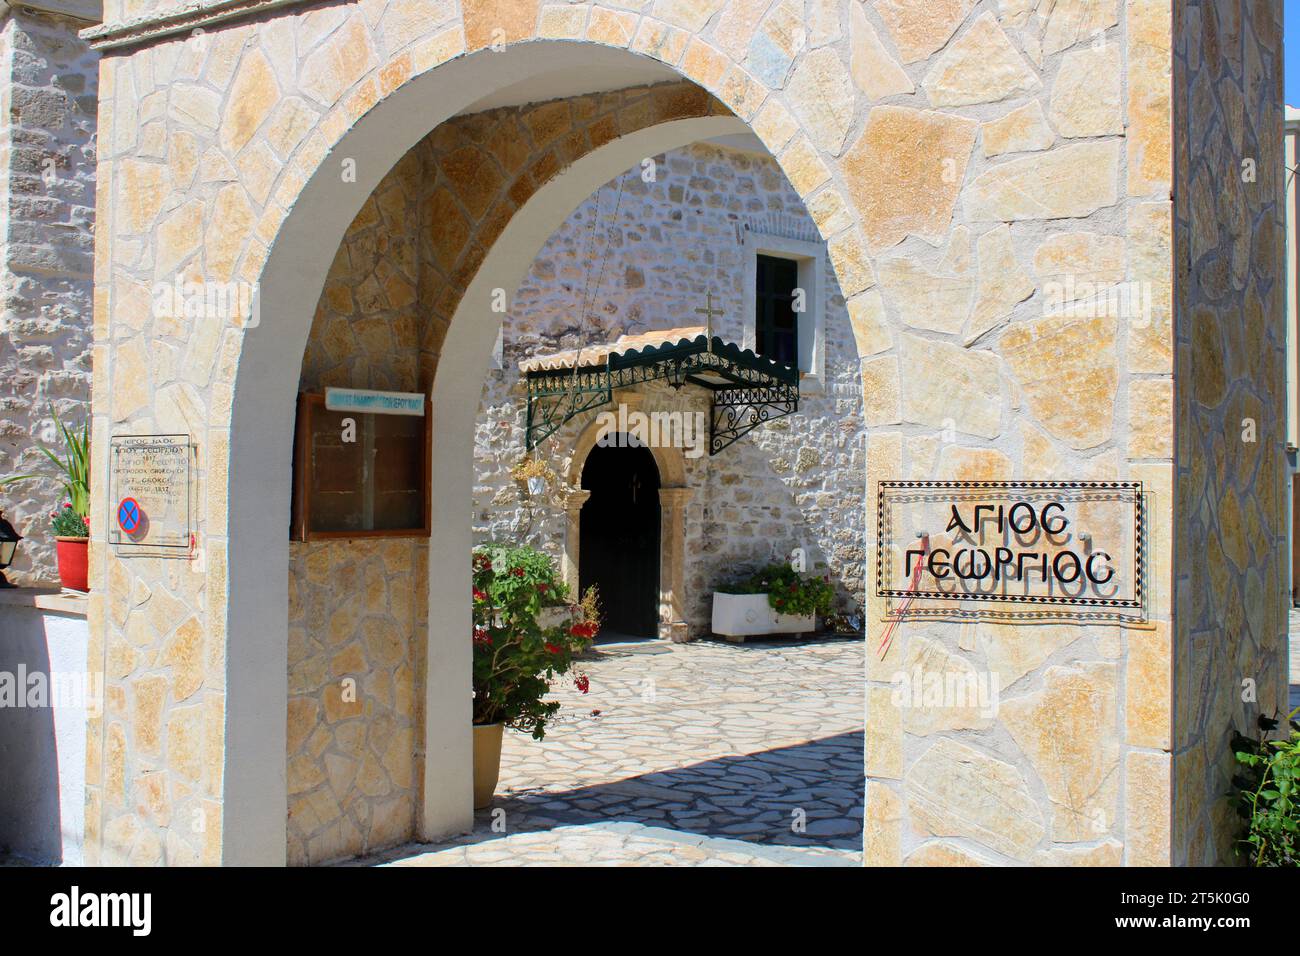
674	497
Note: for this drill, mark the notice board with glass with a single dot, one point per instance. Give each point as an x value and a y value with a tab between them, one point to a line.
359	474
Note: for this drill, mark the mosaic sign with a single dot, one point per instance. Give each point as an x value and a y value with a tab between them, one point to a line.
1012	550
152	488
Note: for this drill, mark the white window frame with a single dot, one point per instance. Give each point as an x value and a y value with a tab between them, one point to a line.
811	259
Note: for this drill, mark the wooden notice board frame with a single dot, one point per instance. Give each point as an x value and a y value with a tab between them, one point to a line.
310	406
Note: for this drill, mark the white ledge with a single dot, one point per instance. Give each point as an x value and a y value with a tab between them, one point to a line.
59	600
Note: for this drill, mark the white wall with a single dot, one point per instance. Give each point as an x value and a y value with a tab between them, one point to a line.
43	749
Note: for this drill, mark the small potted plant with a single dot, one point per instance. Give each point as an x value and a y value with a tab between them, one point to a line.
71	523
775	600
519	650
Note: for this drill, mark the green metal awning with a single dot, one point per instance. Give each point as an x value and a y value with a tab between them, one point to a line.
746	390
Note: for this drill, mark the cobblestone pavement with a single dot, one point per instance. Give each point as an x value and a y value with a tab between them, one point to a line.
706	753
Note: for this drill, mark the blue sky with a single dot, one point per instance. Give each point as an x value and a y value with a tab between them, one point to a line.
1291	12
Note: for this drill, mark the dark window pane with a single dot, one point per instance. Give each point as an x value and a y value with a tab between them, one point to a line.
776	325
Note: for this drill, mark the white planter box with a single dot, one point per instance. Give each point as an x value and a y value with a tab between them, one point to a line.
737	616
557	616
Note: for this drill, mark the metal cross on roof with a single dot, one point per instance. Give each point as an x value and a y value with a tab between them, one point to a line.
708	311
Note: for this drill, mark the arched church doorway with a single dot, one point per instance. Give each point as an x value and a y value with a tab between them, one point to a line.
619	538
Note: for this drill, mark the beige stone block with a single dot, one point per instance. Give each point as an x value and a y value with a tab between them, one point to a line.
1109	853
1064	183
184	653
882	826
1148	688
1086	93
774	125
1003	284
821	94
1148	28
880	391
184	754
1073	21
874	69
938	853
921	29
924	300
954	790
937	691
1069	732
253	95
1150	255
829	211
981	66
1023	130
177	239
659	41
804	167
959	463
852	264
141	190
690	15
611	27
1079	264
1062	364
232	221
884	738
131	380
904	172
951	387
871	330
1014	650
1151	418
1147	804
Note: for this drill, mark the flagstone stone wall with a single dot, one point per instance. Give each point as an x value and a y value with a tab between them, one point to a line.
1229	646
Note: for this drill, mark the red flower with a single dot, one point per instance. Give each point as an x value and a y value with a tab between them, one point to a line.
552	648
582	683
481	637
543	588
517	572
793	588
480	595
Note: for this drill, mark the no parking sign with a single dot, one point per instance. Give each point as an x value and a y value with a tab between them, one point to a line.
128	515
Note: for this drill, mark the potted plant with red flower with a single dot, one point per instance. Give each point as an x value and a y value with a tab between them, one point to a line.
71	523
520	649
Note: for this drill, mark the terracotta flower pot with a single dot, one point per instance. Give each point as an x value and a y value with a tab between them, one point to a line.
487	763
72	553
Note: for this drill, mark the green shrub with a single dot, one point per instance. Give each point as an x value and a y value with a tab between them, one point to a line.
1265	794
788	591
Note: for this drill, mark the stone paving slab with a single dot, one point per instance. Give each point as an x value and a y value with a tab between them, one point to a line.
708	754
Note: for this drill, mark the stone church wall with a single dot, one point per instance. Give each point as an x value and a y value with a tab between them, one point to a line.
796	482
48	79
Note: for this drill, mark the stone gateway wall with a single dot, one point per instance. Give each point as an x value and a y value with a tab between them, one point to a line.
958	159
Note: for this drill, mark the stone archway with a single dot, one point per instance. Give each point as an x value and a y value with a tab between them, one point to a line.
190	762
674	497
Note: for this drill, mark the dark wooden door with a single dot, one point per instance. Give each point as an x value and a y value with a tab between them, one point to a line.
618	539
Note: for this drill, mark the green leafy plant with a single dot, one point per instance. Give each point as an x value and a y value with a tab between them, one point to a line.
1265	794
788	591
517	654
74	466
